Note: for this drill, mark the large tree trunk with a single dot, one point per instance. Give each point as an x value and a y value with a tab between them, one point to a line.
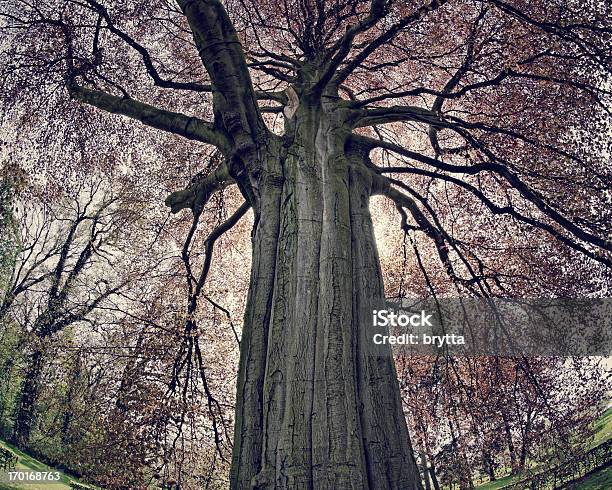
316	409
26	406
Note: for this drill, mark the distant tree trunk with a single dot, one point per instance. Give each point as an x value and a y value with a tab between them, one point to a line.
71	395
511	449
30	389
425	471
316	409
432	473
465	475
490	465
6	375
128	377
525	442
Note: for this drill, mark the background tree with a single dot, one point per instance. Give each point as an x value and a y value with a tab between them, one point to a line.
506	413
490	117
54	280
110	383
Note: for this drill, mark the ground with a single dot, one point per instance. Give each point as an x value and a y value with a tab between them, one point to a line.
601	480
28	463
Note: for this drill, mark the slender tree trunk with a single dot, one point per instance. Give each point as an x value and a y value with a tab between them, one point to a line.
523	457
490	465
6	375
465	475
525	443
26	416
425	471
432	473
511	449
315	408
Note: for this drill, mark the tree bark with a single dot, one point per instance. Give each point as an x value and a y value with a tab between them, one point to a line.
316	409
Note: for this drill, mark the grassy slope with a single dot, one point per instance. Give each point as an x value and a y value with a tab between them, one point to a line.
598	481
28	463
602	480
499	483
603	428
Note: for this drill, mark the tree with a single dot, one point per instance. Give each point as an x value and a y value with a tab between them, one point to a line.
487	107
11	179
52	286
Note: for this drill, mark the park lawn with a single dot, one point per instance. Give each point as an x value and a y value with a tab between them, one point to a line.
499	483
603	428
602	480
28	463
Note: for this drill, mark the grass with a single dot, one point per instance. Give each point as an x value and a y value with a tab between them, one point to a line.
602	480
499	483
28	463
603	428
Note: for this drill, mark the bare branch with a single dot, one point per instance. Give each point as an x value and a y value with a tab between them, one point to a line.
385	37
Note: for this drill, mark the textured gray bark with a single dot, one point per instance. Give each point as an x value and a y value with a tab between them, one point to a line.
314	408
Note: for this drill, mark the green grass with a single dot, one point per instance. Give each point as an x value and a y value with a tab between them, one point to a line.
28	463
499	483
602	480
603	428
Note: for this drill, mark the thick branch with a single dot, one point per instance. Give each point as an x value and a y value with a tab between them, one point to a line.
222	55
173	122
197	195
435	231
384	115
